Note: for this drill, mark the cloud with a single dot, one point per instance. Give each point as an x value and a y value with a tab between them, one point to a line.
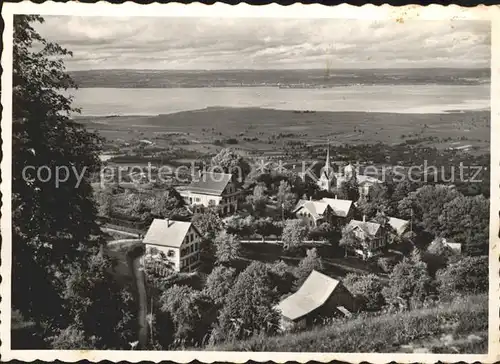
224	43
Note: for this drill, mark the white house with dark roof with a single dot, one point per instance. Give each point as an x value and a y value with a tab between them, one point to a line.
315	212
212	189
178	242
320	296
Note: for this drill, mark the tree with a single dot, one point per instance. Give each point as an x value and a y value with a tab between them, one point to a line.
231	162
190	311
312	261
208	223
377	201
240	226
72	338
465	220
227	247
436	256
219	283
367	289
104	201
249	307
350	241
464	277
425	205
294	234
167	203
350	187
89	290
258	199
409	282
286	198
282	276
54	225
326	231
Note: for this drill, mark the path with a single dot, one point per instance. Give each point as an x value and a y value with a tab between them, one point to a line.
111	230
140	279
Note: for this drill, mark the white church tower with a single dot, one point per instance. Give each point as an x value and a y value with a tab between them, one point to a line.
326	173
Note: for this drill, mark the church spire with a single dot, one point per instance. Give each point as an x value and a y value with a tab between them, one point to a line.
327	164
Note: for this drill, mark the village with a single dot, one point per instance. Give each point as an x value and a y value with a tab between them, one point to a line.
331	243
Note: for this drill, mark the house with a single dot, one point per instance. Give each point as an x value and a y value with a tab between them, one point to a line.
370	234
315	212
213	189
319	297
177	242
449	245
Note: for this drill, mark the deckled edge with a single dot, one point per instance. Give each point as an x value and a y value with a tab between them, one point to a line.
221	10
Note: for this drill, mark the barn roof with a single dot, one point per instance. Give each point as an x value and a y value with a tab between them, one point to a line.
313	294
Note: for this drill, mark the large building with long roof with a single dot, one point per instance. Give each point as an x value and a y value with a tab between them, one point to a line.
319	297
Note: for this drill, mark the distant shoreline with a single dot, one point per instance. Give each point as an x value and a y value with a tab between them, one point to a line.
305	112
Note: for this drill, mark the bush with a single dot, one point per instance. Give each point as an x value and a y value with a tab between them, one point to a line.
367	289
409	283
387	264
467	276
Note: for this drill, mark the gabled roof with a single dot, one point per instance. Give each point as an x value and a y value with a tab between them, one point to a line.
210	183
318	207
313	294
368	227
165	232
315	208
339	207
399	225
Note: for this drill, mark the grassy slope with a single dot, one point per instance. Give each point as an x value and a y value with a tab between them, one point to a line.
444	329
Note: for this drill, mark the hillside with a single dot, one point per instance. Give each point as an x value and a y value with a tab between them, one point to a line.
460	326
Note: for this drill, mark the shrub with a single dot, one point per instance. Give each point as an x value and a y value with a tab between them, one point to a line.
409	282
367	289
469	275
387	264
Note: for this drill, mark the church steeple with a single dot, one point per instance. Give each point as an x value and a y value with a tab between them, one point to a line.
327	163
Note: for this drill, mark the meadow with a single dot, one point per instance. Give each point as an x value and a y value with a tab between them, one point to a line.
460	326
268	131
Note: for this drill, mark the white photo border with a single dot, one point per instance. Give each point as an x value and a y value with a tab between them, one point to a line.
372	12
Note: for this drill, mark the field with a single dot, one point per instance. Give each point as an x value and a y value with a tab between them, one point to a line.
457	327
267	131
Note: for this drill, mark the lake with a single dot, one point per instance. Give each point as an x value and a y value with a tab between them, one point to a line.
368	98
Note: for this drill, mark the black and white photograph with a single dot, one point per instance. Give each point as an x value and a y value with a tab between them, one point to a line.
245	184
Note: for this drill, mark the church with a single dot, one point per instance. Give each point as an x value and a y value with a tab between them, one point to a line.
330	179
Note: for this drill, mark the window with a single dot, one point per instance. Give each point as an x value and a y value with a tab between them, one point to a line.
196	246
197	199
171	253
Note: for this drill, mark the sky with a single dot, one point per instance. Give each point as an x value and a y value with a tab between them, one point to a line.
266	43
